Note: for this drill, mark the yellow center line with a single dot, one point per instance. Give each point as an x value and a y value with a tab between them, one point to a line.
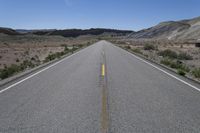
103	70
104	113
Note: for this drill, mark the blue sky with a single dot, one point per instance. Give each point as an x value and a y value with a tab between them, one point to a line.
118	14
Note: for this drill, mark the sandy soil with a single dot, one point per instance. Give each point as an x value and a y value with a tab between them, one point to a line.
16	49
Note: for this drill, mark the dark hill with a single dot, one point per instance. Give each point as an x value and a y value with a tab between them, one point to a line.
8	31
79	32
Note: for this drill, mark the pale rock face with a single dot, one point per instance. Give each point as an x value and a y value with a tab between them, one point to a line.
185	29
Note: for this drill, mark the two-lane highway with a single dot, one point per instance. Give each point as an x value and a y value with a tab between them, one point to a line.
101	89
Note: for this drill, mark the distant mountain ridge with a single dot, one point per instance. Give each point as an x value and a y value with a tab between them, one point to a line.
23	31
64	33
8	31
171	30
78	32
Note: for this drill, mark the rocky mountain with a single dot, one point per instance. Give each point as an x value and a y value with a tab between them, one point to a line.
184	29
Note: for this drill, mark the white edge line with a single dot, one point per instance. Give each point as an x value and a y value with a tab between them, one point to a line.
194	87
7	88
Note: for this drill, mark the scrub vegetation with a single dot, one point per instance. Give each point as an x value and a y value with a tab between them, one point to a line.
181	57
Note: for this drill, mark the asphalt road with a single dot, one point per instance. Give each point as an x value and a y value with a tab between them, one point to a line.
101	89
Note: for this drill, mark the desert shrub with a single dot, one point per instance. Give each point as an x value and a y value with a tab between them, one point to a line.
175	65
54	56
136	50
9	71
62	53
173	55
181	72
66	48
80	45
127	47
33	59
89	43
58	54
50	57
26	64
13	69
180	66
149	47
74	48
196	72
184	56
168	53
17	60
185	68
4	65
166	62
